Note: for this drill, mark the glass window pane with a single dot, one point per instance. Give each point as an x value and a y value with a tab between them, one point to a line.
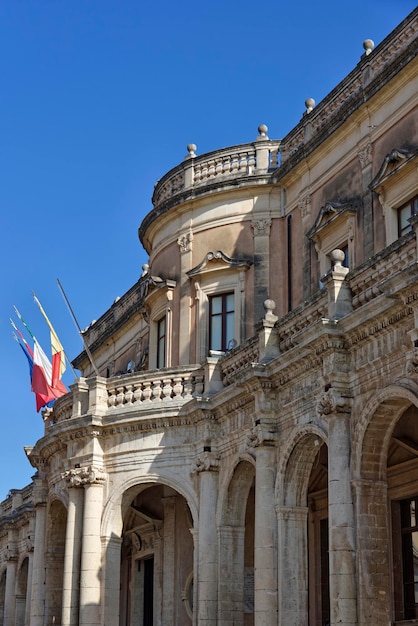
216	334
230	327
216	303
230	302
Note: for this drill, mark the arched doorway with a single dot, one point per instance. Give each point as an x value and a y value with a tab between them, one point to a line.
156	558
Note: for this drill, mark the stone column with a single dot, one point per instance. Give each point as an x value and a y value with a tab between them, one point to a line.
342	556
71	578
207	466
112	581
262	440
38	569
374	602
10	598
231	575
169	560
91	569
293	565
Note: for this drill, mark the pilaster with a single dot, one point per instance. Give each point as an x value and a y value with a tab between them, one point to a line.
38	569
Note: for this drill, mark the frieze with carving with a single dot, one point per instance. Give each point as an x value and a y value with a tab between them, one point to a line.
80	476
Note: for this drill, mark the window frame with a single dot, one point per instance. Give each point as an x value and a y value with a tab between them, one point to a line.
412	203
225	316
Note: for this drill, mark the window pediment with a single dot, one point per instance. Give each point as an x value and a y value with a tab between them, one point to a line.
218	260
393	163
331	215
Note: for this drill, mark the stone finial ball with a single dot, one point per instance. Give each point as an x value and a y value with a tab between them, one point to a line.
191	148
337	257
262	129
368	45
309	103
269	305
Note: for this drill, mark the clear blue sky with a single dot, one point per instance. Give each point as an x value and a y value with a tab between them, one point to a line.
99	98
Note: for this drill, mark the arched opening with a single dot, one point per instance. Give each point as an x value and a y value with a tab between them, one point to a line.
402	479
236	549
21	591
318	542
156	558
302	495
54	561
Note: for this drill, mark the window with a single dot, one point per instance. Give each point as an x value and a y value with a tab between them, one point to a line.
404	213
409	529
161	341
221	322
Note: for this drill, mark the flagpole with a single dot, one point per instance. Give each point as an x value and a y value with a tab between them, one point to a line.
80	332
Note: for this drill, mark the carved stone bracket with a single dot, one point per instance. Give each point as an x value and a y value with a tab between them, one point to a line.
207	462
261	226
261	435
333	402
411	367
84	476
365	155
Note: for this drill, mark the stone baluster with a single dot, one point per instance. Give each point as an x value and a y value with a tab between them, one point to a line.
207	466
336	407
70	589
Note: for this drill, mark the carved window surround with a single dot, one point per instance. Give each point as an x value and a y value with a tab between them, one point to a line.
395	183
335	227
217	273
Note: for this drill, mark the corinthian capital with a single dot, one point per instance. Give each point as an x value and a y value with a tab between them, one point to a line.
80	476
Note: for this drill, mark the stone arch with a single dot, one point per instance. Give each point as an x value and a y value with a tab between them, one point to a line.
236	522
118	500
154	551
376	423
236	482
296	464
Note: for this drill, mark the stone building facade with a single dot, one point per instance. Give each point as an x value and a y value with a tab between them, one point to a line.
245	450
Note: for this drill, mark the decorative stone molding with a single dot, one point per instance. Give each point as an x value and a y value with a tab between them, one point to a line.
261	434
411	367
261	226
333	402
207	462
305	204
185	242
11	553
365	155
84	476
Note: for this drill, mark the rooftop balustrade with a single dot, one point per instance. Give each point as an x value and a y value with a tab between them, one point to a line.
244	160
